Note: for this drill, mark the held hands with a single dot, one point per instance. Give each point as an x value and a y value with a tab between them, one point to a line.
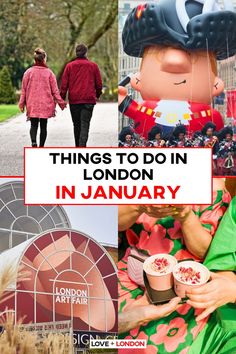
140	312
63	106
178	212
122	93
155	312
219	291
183	212
21	108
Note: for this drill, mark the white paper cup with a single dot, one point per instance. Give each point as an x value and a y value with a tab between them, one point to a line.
158	281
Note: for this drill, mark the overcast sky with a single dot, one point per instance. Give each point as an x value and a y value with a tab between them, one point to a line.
99	222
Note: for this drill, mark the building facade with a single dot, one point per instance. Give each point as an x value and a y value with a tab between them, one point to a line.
129	65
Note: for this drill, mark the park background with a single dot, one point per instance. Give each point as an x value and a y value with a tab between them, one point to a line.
56	26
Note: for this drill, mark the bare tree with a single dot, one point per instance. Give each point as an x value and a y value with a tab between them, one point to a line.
82	21
57	26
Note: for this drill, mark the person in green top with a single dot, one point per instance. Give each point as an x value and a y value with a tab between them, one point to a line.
219	334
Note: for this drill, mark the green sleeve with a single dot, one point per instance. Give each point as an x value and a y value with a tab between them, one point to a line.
222	252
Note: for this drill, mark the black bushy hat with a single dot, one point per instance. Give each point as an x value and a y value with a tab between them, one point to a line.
154	131
224	132
179	129
160	23
124	132
207	126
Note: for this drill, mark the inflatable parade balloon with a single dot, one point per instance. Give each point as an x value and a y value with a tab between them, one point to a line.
179	42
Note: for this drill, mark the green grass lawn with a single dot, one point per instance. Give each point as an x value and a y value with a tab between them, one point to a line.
7	111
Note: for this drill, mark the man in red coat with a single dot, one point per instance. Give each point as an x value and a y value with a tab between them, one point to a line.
178	75
82	79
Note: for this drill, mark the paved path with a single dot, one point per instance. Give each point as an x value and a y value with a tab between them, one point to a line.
14	135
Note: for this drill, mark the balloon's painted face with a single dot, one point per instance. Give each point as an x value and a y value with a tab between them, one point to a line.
175	74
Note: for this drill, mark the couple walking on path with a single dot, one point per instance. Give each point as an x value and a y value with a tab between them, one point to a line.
40	94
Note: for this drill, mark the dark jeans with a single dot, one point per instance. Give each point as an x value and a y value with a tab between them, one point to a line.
34	129
81	115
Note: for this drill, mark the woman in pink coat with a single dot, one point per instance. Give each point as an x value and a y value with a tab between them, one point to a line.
39	94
